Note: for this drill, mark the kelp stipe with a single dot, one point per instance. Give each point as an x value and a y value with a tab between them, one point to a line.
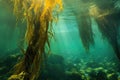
39	15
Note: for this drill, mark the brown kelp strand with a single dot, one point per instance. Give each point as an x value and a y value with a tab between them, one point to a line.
109	29
84	22
85	30
39	15
107	18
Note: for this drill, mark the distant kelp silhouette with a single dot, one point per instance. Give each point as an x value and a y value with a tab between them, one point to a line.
109	27
85	29
107	16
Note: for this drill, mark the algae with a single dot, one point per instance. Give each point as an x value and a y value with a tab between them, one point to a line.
39	16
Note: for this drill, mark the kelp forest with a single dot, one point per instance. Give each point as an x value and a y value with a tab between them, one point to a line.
58	40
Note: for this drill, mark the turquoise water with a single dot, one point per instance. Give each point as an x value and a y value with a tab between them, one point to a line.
67	39
66	43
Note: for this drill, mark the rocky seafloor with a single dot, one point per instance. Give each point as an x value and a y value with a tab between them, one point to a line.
57	68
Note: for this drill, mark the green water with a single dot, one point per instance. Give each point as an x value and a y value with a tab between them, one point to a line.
66	42
66	39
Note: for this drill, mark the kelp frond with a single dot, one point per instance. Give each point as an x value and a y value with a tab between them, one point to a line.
39	15
86	33
108	24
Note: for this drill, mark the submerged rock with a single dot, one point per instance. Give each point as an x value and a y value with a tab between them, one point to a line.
54	68
73	76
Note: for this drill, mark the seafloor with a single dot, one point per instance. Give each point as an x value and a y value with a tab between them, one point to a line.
57	67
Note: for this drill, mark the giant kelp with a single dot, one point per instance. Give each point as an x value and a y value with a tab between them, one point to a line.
84	22
39	15
107	18
85	30
108	26
106	14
